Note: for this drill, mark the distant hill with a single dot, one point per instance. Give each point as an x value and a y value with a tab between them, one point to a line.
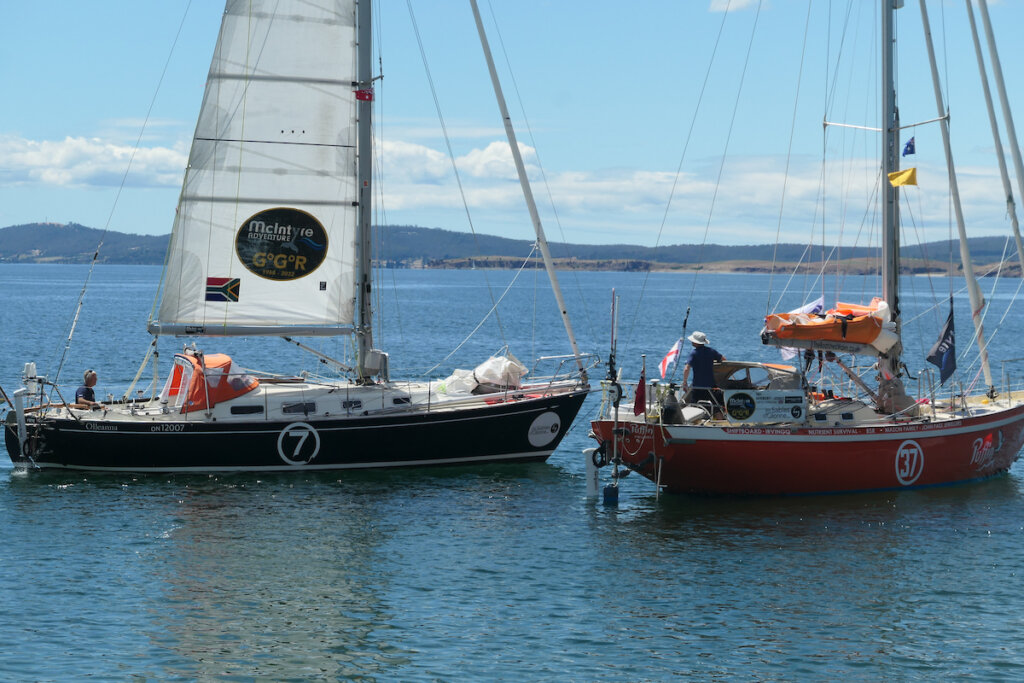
412	246
74	243
403	244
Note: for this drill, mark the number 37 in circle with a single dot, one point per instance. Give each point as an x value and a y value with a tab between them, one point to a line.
298	443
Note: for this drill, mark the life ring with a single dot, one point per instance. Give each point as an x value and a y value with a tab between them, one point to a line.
600	455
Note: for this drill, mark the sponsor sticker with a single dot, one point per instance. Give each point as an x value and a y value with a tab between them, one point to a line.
281	244
544	429
740	406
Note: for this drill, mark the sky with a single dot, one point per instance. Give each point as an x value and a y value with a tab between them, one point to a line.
667	122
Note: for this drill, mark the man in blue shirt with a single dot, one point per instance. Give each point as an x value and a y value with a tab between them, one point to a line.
701	361
86	396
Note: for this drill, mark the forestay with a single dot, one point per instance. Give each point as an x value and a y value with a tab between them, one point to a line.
264	237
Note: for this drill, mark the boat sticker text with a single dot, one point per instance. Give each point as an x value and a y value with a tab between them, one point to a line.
984	449
281	244
544	429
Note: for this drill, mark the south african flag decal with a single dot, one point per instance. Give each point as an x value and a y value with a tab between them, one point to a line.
222	288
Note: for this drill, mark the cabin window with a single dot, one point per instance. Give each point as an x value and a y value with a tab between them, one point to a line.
246	410
352	405
305	408
401	400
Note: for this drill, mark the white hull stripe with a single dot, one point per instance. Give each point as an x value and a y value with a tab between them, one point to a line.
829	434
529	455
159	427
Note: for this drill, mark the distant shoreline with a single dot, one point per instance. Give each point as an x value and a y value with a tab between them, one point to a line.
852	267
415	247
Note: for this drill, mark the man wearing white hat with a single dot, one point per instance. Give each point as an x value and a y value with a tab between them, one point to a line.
701	361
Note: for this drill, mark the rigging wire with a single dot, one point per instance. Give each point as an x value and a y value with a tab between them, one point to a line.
380	206
455	168
540	166
679	167
789	158
728	138
117	196
494	309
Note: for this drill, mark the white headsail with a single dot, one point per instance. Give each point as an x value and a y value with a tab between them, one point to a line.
264	237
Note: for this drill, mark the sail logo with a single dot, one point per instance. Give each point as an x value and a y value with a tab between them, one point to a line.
909	462
281	244
544	429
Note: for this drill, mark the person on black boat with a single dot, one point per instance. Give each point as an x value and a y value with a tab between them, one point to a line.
85	395
701	361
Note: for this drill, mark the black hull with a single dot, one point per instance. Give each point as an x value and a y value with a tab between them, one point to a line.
519	431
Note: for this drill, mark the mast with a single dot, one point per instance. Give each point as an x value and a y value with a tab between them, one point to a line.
527	192
1011	131
994	125
977	301
364	259
891	203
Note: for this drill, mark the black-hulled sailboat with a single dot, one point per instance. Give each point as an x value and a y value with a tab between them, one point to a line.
272	238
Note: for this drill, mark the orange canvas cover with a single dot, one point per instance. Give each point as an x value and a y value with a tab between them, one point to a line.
846	322
860	329
219	382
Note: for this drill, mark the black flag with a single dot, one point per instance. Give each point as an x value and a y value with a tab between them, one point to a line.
943	354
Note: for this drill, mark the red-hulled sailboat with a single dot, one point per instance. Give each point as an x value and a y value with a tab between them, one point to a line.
771	433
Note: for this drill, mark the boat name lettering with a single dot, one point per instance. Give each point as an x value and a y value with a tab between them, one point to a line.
983	451
641	431
97	427
167	428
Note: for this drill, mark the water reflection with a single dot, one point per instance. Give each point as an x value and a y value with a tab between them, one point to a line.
858	580
273	577
499	572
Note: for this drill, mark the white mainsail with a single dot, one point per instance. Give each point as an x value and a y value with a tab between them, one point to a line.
264	241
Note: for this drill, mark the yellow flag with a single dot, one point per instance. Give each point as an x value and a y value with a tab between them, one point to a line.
907	176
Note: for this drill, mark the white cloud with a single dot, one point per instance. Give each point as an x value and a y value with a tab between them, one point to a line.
601	205
405	162
77	162
730	5
495	161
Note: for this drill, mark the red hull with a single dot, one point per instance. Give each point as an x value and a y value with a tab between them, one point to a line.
765	460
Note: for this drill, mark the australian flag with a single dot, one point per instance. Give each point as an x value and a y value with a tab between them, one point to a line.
943	354
909	147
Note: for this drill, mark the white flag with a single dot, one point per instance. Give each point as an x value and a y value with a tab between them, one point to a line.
816	306
670	357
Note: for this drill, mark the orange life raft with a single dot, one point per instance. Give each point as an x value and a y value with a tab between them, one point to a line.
852	323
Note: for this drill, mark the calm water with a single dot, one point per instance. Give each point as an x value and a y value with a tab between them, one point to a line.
492	573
